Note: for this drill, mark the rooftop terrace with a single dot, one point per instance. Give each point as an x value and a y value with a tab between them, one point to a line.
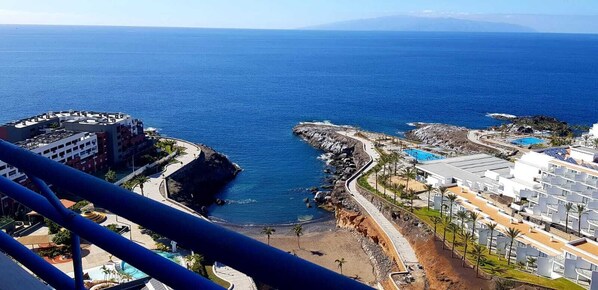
71	115
45	139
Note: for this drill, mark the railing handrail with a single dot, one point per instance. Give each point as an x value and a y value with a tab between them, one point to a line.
267	264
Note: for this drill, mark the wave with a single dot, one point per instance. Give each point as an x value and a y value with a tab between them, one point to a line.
500	116
305	218
326	123
241	201
326	157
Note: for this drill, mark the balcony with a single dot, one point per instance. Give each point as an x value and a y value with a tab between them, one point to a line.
269	265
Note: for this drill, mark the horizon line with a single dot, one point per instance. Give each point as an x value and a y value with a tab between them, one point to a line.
282	29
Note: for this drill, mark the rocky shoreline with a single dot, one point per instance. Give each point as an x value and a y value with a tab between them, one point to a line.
196	184
342	155
448	137
346	155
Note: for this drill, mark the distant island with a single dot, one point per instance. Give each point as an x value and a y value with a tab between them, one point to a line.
416	23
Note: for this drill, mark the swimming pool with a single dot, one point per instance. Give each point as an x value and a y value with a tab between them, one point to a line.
527	141
421	155
137	274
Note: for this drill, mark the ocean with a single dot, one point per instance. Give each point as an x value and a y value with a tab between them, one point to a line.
242	91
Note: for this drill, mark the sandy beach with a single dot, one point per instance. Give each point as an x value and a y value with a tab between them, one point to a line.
323	248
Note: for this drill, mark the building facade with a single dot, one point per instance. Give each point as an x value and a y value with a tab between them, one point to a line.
122	135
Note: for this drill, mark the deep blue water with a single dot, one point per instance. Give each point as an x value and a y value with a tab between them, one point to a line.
241	91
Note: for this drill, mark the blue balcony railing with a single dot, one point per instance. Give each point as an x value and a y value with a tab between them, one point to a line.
264	263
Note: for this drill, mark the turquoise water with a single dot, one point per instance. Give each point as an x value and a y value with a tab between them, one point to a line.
421	155
242	91
137	274
527	141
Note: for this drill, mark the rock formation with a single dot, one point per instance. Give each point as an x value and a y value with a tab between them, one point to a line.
343	156
449	137
197	182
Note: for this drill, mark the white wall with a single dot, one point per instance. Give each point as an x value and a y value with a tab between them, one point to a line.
579	155
85	146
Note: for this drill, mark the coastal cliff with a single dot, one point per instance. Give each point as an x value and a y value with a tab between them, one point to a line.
196	183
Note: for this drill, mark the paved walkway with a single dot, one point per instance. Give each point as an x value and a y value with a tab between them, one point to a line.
401	246
151	189
475	135
237	279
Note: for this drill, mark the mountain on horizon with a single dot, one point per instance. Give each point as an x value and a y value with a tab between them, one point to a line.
415	23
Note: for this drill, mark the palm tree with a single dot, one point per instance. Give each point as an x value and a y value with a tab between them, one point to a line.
478	252
585	139
452	198
411	197
105	271
110	176
453	228
442	191
466	238
531	262
395	159
376	174
142	179
581	209
512	233
429	188
568	208
126	276
436	220
473	217
384	179
595	142
395	188
298	229
268	231
491	227
340	263
462	215
408	173
445	224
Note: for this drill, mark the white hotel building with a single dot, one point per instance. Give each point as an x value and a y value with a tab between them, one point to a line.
548	183
59	145
540	185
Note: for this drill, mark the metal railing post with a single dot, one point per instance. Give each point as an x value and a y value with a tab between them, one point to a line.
143	259
77	263
35	263
240	252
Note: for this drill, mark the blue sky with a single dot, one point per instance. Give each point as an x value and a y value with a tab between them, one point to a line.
262	14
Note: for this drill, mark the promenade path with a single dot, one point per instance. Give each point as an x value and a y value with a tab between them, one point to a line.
401	246
475	135
234	277
151	189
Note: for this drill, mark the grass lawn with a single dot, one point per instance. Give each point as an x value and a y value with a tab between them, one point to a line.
493	265
215	278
